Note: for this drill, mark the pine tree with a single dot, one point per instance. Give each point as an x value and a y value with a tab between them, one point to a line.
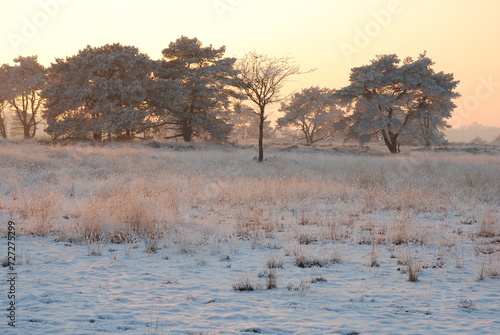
388	99
100	91
206	78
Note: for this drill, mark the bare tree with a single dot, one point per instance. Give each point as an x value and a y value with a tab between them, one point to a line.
262	78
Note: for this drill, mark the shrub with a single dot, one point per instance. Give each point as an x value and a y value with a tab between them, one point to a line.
490	267
271	279
413	268
245	284
468	304
319	259
302	287
374	256
274	262
489	226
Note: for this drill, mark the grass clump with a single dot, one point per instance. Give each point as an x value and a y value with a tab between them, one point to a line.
244	283
317	259
302	287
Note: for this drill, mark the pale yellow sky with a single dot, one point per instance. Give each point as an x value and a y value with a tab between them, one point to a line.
333	36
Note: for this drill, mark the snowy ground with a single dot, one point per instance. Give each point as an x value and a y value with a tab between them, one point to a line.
65	291
67	284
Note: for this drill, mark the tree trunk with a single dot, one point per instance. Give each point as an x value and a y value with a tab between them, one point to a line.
3	128
26	130
391	141
33	131
426	125
187	130
310	140
22	115
307	136
261	135
97	136
187	127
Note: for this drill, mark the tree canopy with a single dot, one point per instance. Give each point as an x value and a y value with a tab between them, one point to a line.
387	98
103	90
261	78
312	112
20	88
208	83
115	91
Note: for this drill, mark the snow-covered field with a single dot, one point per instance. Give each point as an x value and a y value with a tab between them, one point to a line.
157	238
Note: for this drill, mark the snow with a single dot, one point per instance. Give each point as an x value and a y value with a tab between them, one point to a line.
64	291
187	286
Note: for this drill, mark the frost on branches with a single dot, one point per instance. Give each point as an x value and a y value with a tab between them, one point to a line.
261	78
206	78
3	125
20	88
3	105
245	122
99	92
311	112
391	100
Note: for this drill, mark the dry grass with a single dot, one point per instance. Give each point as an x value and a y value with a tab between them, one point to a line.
244	283
135	192
489	267
458	255
403	229
302	287
274	262
271	281
374	256
413	266
38	208
468	304
489	225
307	258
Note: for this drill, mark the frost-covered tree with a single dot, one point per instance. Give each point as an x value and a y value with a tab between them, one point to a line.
21	86
3	104
99	91
245	122
262	78
3	124
477	140
312	112
207	79
390	99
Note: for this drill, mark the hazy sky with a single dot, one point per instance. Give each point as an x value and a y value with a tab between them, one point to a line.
333	36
